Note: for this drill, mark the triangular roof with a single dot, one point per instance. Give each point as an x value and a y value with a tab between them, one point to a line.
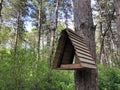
69	45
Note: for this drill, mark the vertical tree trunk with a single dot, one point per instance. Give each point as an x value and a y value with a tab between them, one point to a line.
101	34
39	28
52	39
1	1
101	41
36	87
52	33
16	33
117	9
15	51
43	56
85	79
66	14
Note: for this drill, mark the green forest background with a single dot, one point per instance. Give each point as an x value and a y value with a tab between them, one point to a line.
29	32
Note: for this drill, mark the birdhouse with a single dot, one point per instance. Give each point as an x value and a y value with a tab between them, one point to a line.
72	52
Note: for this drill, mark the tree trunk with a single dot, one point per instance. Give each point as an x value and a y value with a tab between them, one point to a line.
39	29
17	33
117	9
1	1
85	79
52	33
16	69
36	83
51	49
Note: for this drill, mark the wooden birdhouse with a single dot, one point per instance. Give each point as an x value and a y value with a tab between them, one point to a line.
72	52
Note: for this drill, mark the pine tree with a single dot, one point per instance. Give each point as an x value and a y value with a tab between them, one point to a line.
85	79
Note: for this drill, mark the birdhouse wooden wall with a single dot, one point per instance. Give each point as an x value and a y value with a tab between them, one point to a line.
72	47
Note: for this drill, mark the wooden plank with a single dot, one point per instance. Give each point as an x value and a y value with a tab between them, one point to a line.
60	49
70	66
76	37
78	49
84	56
86	60
72	32
76	45
84	53
88	65
76	41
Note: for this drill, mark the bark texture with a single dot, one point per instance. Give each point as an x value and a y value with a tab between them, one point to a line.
39	28
52	33
1	2
117	9
85	79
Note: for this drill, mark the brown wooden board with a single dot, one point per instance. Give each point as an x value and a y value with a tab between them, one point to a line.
76	38
84	56
86	61
76	41
60	48
70	66
78	49
83	53
79	45
86	65
72	32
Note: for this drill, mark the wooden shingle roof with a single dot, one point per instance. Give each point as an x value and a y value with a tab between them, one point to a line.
72	52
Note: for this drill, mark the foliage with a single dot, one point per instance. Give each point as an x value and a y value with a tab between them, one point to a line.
47	79
25	72
108	78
